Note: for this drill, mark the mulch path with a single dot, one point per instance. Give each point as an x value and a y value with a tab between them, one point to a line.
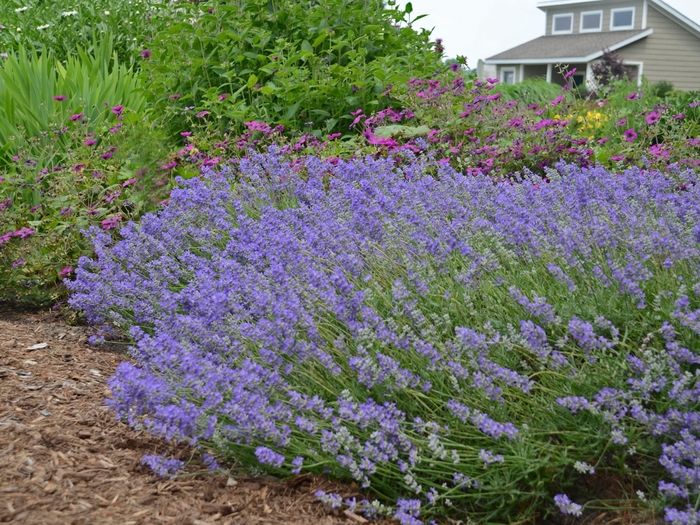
65	459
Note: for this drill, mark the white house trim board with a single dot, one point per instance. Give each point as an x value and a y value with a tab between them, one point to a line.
570	16
600	23
549	72
621	10
564	60
645	9
640	70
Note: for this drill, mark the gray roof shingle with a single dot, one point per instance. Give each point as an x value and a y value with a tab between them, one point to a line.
566	46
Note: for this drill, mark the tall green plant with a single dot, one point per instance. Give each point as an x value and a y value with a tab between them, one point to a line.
38	94
303	64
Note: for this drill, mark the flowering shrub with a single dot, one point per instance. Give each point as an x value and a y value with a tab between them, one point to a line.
455	345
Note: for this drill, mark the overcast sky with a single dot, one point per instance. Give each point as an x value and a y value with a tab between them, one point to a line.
481	28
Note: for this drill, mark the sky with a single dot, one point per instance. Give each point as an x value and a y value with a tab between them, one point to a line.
481	28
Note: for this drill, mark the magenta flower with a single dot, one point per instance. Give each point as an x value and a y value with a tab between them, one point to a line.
223	96
66	211
66	271
117	109
494	97
202	114
557	100
115	128
129	182
185	133
24	233
617	157
454	67
630	135
146	54
169	166
18	262
90	142
694	104
621	122
59	98
680	116
77	116
106	156
653	117
77	167
109	224
635	96
570	73
175	96
604	140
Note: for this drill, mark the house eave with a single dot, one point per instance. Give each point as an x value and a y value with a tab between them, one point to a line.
570	60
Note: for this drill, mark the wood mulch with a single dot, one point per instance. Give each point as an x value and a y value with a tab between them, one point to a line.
65	459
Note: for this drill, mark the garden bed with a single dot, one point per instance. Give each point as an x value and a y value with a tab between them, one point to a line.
64	458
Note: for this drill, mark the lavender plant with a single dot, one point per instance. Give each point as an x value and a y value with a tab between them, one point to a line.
456	346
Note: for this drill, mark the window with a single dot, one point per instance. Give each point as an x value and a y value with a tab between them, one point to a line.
591	21
622	18
508	75
563	24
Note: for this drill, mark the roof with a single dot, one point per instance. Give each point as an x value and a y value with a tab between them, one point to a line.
582	47
660	5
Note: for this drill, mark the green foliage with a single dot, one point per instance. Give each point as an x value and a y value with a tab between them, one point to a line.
662	89
285	62
531	91
59	174
61	26
90	83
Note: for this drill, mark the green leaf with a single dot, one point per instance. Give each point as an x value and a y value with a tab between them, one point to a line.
306	46
252	80
409	8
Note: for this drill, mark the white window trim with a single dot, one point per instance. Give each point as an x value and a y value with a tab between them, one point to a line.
594	30
612	18
554	24
512	70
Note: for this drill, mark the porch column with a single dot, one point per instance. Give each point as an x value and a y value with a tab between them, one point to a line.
549	72
589	76
522	72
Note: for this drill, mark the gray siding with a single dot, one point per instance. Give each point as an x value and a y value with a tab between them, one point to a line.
672	53
605	7
535	71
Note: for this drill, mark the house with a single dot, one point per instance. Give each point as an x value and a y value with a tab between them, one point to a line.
651	37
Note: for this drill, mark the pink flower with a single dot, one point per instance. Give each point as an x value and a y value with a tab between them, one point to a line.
169	166
24	233
77	167
77	116
109	224
106	156
630	135
146	54
495	97
66	271
65	211
202	114
129	182
635	96
603	141
680	116
570	73
115	128
621	122
59	98
175	96
113	196
185	133
617	157
117	109
18	262
694	104
557	100
223	96
653	117
90	142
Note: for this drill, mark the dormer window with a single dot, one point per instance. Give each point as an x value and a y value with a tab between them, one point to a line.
591	21
622	19
563	24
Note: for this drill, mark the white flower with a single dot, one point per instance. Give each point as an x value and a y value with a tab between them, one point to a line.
19	29
641	496
69	13
20	9
41	28
107	13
